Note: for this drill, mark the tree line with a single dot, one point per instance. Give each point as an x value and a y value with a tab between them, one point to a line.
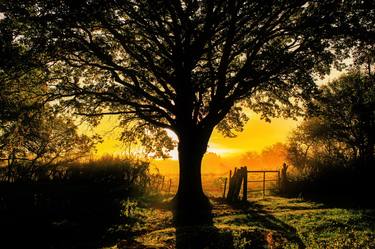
333	148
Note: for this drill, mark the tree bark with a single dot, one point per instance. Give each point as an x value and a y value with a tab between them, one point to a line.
191	206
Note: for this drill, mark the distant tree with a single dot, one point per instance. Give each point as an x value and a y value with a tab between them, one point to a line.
40	145
269	158
33	135
346	108
310	148
274	155
340	127
187	66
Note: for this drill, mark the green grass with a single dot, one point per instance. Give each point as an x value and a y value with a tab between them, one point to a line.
262	223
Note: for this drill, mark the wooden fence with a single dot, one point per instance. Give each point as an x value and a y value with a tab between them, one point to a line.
239	180
235	183
160	184
264	180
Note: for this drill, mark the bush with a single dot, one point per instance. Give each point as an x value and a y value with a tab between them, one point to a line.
111	177
72	203
334	185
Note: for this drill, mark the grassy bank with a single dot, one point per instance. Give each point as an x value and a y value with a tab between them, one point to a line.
263	223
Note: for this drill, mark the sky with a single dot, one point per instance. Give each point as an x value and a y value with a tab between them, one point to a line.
223	153
257	135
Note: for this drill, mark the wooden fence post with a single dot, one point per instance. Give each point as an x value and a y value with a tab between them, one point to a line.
244	191
225	186
229	182
236	182
237	186
169	188
231	185
264	183
162	183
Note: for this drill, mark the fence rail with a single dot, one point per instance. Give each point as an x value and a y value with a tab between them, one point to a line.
239	180
261	171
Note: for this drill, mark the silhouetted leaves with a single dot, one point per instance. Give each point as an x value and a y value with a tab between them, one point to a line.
187	66
340	127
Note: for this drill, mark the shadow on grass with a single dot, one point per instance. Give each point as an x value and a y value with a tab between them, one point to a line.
249	227
204	236
194	227
256	216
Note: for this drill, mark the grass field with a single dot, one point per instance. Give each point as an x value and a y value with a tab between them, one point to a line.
273	222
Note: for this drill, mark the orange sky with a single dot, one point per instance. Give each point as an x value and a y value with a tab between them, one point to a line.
226	153
223	153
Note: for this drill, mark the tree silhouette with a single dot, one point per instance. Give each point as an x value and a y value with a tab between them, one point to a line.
184	65
340	126
34	137
346	110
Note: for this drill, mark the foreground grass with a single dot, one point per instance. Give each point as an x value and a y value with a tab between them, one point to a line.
263	223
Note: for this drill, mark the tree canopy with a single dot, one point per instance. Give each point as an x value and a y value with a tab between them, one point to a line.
34	136
155	61
187	65
340	125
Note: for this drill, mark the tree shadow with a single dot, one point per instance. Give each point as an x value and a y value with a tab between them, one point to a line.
195	229
257	216
203	236
261	225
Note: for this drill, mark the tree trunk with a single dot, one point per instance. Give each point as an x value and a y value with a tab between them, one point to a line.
191	206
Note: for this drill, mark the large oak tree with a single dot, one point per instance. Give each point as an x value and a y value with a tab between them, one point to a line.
185	65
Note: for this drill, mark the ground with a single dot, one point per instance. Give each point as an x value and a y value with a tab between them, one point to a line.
272	222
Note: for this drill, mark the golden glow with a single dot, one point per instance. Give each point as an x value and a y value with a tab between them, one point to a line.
110	133
226	153
222	153
256	136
